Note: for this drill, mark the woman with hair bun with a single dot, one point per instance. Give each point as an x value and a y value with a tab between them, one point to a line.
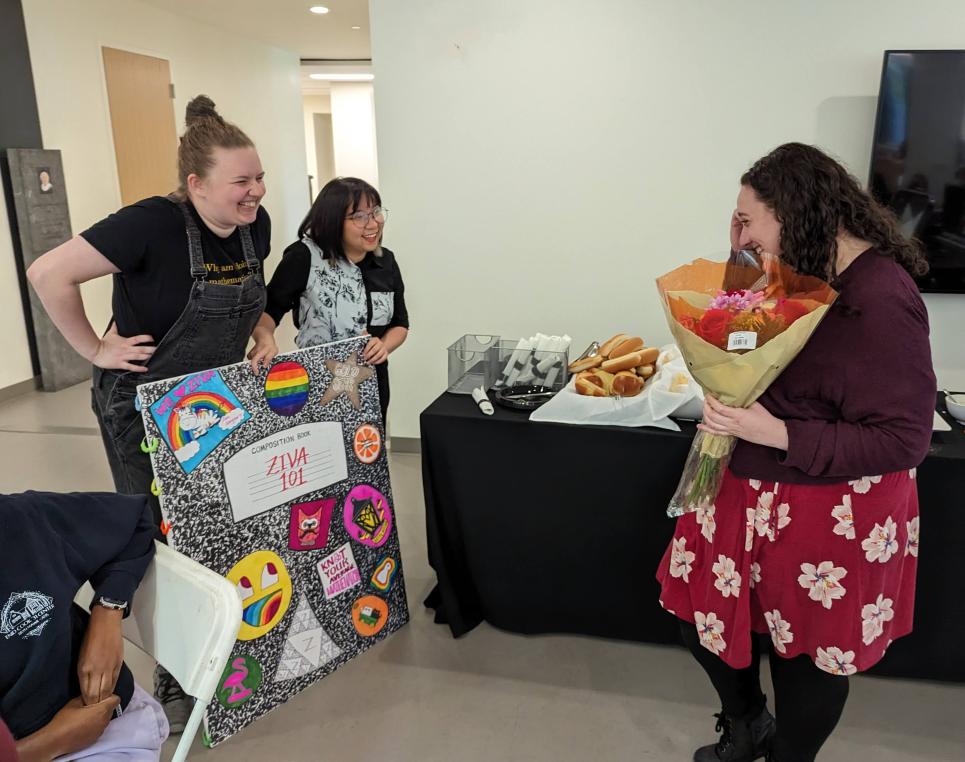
177	261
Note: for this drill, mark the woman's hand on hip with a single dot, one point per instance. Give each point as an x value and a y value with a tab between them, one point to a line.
114	352
375	352
753	424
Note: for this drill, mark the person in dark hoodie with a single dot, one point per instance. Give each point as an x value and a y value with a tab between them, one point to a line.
64	688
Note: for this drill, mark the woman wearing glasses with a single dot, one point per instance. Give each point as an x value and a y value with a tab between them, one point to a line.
338	281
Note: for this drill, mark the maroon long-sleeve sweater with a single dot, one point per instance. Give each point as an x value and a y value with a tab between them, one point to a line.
859	398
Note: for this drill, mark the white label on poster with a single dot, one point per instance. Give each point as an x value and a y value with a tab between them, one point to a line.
339	572
280	468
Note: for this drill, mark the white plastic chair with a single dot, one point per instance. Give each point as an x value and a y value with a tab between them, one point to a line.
187	618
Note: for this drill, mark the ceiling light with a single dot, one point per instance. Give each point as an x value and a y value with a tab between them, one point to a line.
343	77
319	9
356	27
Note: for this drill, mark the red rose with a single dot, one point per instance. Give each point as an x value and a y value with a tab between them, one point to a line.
790	310
713	327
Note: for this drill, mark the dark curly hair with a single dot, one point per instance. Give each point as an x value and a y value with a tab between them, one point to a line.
813	197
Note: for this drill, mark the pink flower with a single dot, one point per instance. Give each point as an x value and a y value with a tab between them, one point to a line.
780	630
710	629
681	559
737	301
836	661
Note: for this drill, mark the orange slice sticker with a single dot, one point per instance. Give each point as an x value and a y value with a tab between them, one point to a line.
367	443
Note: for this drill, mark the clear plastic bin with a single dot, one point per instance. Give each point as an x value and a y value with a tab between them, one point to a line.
528	366
472	363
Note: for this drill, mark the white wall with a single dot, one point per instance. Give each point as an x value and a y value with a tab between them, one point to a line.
254	85
353	131
545	161
311	105
14	349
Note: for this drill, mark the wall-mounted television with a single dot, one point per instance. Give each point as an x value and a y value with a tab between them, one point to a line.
918	156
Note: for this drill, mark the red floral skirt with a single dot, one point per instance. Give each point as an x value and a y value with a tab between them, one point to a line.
828	570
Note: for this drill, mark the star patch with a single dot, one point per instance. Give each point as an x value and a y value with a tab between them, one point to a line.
346	378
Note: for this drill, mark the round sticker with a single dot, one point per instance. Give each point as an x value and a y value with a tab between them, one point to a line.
265	588
369	613
368	516
239	681
286	388
367	443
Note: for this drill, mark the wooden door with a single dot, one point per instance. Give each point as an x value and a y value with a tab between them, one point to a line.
140	95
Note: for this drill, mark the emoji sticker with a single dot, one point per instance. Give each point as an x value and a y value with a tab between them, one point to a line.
369	614
384	574
368	516
265	588
367	443
308	524
239	681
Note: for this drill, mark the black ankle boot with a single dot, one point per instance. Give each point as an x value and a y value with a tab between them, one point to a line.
741	740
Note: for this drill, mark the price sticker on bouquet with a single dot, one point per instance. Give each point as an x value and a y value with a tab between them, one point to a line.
742	340
278	469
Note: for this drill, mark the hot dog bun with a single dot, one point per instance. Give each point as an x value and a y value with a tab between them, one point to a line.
601	378
625	347
610	343
626	362
627	384
649	356
621	368
644	371
586	363
588	389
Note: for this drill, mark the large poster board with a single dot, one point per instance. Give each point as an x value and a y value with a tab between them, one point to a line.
279	482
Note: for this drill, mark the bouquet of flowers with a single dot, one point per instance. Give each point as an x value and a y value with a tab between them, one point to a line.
737	327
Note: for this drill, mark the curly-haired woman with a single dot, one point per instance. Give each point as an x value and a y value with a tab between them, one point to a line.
813	537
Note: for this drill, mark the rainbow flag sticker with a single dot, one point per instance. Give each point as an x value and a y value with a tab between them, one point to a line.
286	388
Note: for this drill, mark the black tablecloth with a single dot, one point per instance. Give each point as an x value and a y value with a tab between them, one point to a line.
552	528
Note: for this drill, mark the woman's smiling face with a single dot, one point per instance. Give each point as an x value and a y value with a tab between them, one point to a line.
760	229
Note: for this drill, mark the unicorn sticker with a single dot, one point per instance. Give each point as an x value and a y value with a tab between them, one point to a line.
196	416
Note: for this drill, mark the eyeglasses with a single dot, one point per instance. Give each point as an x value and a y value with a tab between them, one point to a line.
361	219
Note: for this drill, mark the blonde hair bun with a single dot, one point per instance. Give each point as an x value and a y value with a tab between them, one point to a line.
200	107
205	131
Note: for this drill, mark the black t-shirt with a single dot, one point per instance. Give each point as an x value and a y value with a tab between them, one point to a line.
148	243
379	274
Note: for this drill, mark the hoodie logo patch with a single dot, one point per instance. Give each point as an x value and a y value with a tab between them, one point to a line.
26	614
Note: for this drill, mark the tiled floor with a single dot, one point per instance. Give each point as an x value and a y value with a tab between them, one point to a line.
491	695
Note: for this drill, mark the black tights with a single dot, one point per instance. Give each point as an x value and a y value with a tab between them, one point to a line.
807	700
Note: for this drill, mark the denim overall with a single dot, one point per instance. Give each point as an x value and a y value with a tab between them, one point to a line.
213	330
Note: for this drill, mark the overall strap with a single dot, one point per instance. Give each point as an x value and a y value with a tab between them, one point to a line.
248	247
198	270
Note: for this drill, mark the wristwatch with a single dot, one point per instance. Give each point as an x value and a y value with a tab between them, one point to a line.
111	603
